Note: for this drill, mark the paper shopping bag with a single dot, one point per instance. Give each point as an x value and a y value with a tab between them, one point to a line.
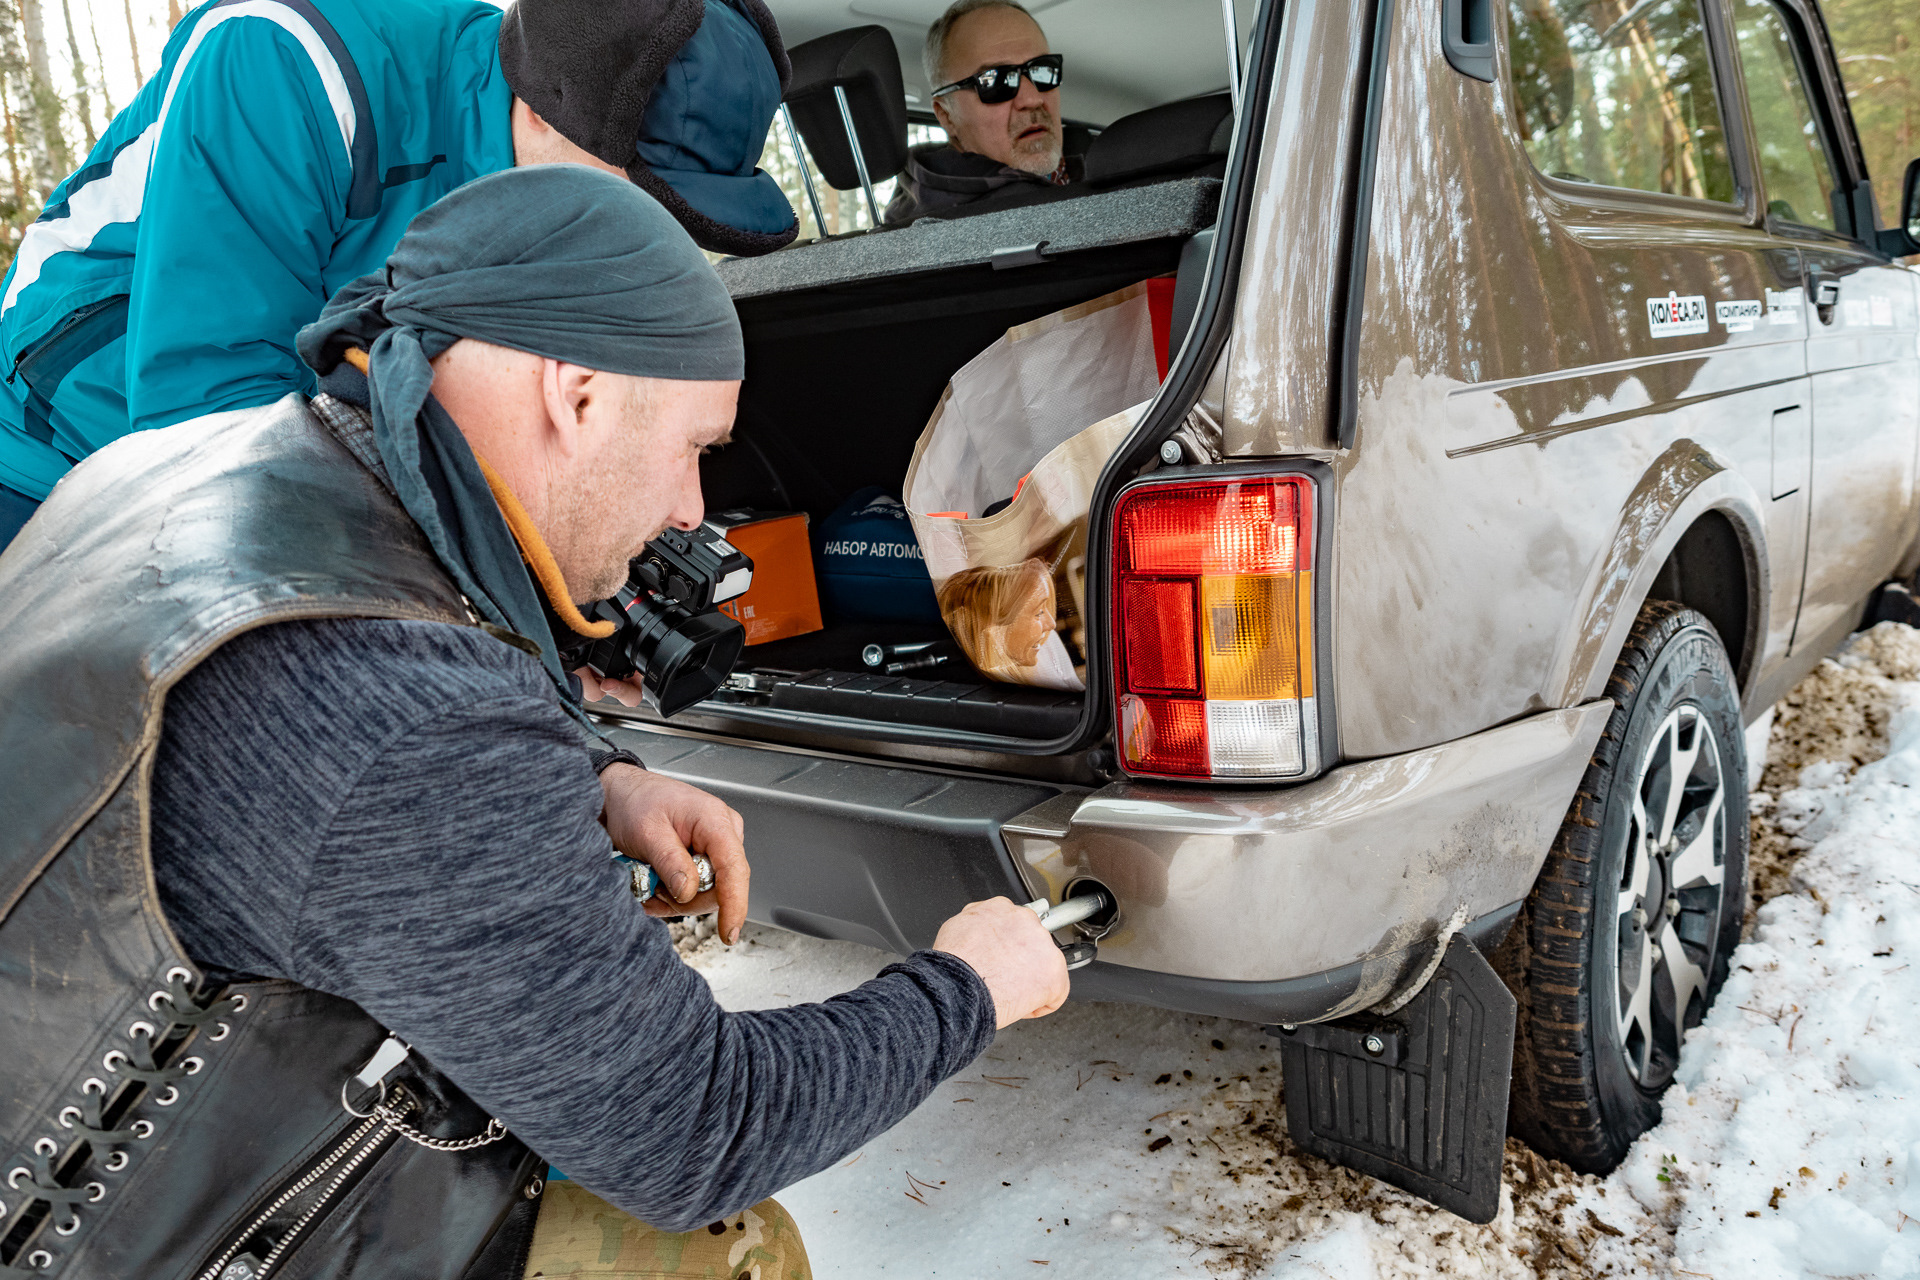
1003	476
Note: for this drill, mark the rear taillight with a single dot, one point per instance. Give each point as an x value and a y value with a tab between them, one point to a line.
1213	628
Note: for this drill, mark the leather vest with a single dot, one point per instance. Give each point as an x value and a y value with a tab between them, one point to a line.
157	1121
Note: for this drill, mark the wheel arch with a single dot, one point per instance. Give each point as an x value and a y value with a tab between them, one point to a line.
1690	531
1712	568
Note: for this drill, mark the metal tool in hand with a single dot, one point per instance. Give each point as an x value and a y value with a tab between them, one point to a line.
647	882
1070	912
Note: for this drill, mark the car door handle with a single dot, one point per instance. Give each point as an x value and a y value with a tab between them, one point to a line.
1826	297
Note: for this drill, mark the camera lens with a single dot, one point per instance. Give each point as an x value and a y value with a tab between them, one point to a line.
681	657
686	657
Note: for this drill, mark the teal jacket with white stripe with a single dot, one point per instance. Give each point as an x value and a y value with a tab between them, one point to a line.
279	152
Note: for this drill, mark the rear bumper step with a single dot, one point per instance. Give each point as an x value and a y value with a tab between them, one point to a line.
845	849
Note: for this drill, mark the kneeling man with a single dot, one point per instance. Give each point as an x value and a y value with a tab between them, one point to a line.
311	940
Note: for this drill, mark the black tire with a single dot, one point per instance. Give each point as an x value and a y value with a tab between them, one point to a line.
1598	1036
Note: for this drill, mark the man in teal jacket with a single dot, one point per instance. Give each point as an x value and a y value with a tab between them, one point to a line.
284	146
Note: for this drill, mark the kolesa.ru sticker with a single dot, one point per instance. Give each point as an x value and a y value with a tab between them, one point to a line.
1673	315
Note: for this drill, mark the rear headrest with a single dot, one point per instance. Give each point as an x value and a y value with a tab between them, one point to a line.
1165	139
864	62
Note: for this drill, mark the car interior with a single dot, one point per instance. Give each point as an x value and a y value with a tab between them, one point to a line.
851	338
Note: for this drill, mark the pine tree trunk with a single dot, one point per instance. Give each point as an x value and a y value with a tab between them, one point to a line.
31	163
100	60
13	152
82	100
50	159
133	43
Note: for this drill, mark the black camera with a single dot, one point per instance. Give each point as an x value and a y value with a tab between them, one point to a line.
668	625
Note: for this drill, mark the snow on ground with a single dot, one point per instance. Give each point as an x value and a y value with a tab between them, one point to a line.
1124	1141
1794	1126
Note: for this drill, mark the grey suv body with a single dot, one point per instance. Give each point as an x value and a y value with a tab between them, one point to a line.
1546	358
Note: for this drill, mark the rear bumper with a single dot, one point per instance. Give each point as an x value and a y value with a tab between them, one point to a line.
1278	906
850	849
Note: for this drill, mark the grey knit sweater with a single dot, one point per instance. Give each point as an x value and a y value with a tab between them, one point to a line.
399	813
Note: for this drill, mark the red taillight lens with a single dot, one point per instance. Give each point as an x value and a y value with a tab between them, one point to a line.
1213	605
1158	633
1172	731
1247	527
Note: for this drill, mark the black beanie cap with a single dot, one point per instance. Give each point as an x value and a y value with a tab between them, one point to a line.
589	68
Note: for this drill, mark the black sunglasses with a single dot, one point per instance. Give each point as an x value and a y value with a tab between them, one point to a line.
1002	84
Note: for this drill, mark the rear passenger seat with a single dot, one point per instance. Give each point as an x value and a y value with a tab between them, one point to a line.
1185	139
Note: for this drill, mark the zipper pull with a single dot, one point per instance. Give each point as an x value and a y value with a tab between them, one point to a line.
244	1267
391	1053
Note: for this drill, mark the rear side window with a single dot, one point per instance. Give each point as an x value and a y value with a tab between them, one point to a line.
1786	132
1619	95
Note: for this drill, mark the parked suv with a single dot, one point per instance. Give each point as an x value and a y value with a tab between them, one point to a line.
1542	403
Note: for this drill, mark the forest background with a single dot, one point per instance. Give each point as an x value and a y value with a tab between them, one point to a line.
66	66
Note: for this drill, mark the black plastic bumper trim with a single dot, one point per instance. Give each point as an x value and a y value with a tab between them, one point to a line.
863	852
1310	998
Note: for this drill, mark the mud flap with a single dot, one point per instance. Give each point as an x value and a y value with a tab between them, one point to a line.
1417	1099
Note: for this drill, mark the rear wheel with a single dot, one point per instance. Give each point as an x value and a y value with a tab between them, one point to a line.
1625	939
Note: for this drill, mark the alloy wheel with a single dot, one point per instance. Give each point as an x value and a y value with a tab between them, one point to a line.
1669	903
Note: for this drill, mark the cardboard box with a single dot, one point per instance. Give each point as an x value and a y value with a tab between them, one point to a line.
783	600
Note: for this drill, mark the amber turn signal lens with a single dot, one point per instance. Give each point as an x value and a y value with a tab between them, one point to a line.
1253	641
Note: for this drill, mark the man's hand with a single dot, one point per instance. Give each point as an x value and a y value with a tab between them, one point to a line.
661	822
593	688
1014	956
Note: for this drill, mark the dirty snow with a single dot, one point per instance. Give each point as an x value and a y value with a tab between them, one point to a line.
1116	1140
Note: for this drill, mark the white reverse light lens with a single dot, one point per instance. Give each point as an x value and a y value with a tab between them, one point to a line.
1259	739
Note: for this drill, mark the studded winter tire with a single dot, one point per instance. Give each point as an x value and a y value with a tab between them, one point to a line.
1625	939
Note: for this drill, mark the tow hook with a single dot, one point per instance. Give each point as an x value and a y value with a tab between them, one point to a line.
1071	911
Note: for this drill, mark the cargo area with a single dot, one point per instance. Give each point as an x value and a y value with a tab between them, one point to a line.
853	331
850	344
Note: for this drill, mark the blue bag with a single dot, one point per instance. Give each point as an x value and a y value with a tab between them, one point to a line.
870	567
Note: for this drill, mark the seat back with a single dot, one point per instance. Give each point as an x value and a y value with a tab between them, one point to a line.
1178	139
864	63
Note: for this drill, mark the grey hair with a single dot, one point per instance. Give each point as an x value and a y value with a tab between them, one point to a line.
934	56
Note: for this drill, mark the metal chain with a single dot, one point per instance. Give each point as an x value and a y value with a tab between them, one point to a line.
391	1118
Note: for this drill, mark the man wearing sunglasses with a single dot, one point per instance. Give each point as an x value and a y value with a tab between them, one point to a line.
996	91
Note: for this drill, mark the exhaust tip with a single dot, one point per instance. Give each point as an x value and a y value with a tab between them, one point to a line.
1100	922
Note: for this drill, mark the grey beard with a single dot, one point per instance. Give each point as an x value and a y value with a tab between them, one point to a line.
1041	163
